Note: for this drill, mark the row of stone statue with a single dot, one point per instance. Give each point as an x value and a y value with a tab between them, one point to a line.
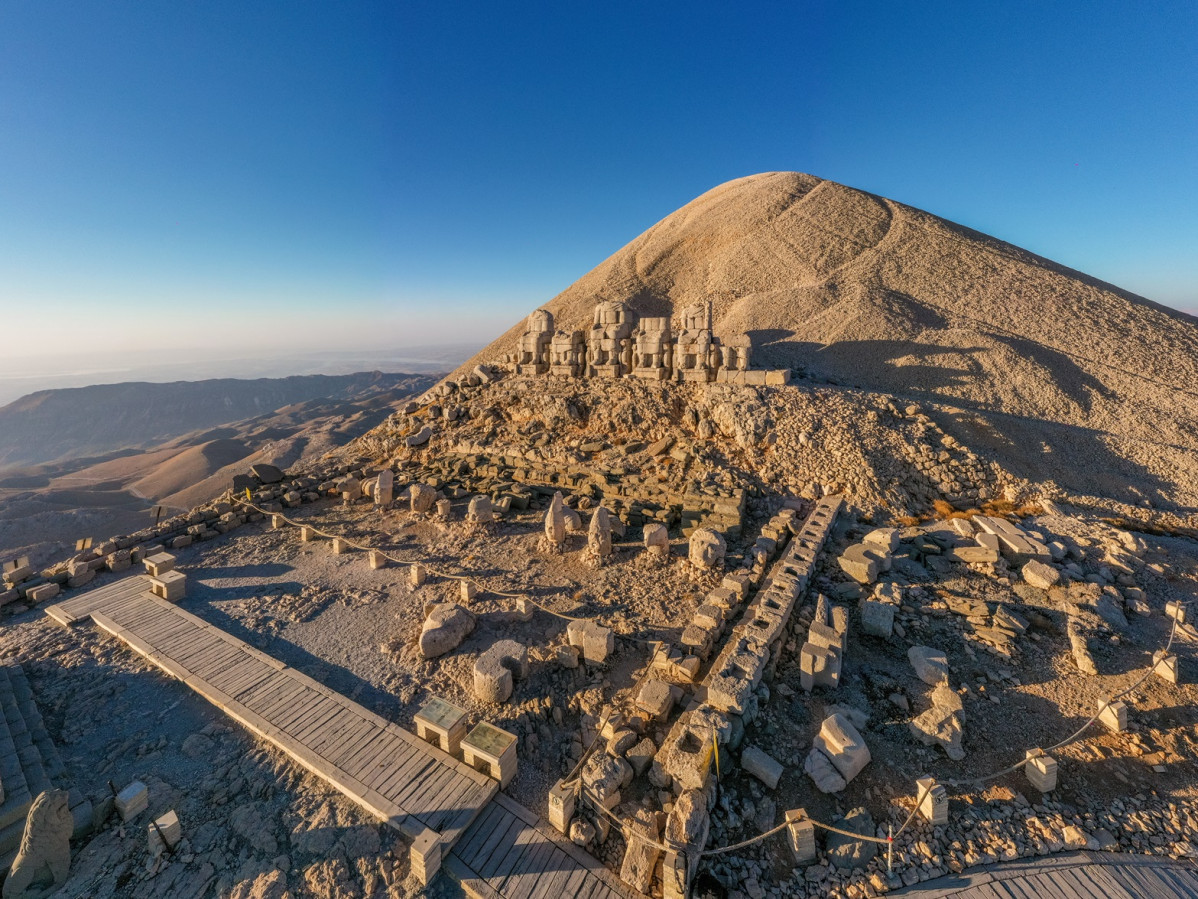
619	344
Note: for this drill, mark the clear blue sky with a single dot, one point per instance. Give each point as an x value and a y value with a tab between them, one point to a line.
193	174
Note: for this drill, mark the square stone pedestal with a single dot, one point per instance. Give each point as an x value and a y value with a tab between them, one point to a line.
159	564
492	750
170	585
441	723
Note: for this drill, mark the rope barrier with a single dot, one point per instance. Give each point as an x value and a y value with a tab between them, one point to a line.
436	572
440	573
961	782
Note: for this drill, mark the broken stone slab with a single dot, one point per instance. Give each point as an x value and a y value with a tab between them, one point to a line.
931	665
266	474
1110	610
596	641
761	765
941	725
972	555
1041	575
860	563
446	626
495	668
420	438
641	854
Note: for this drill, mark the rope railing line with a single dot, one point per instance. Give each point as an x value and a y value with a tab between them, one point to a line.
436	572
961	782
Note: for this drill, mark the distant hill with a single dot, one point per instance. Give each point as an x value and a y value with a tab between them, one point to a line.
58	425
109	466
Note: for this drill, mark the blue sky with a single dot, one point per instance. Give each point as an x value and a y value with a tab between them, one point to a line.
179	177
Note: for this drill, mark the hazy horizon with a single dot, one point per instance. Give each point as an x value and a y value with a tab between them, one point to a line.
88	370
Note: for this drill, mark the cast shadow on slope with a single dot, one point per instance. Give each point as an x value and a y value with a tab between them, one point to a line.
1078	458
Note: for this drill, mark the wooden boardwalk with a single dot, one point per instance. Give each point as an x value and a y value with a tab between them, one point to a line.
410	784
509	852
499	848
1080	875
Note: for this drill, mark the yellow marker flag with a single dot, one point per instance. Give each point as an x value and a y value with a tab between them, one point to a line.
247	494
715	747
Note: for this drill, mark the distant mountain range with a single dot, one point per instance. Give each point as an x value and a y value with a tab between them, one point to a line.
59	425
92	461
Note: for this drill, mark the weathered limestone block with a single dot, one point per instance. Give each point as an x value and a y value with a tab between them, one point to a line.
841	744
861	563
819	666
599	535
44	858
1041	575
707	549
885	538
655	698
562	799
1041	770
596	641
43	592
845	852
446	626
877	618
933	801
421	498
685	758
761	765
494	669
1165	666
384	489
417	575
801	836
1114	717
931	665
479	511
823	773
340	546
641	855
604	776
444	509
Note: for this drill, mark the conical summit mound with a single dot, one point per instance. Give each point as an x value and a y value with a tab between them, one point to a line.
860	290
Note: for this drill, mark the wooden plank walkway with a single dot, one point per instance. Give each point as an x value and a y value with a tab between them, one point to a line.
509	852
410	784
499	848
1081	875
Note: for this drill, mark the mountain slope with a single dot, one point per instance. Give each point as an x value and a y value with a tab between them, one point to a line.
1029	356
